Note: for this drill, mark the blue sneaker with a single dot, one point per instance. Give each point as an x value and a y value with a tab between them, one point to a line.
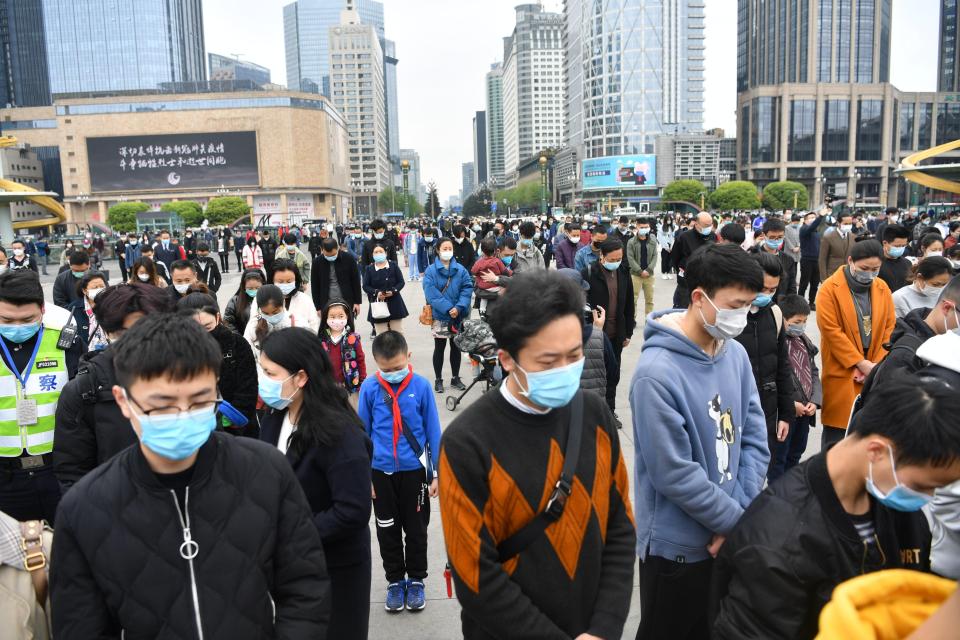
416	600
396	594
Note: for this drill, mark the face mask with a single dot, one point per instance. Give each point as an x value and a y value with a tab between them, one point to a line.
729	323
458	240
18	333
527	242
643	233
762	300
795	330
774	245
476	227
379	258
78	274
846	228
287	288
181	288
3	268
575	239
933	292
507	260
18	252
863	277
536	236
395	377
330	258
446	255
252	292
177	437
291	248
271	392
275	319
897	252
623	230
934	254
428	239
553	388
612	266
144	277
93	293
378	236
900	498
337	324
893	219
707	231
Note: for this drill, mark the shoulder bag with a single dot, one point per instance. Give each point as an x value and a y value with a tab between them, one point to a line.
426	314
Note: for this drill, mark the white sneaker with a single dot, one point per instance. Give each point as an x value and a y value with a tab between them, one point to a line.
665	277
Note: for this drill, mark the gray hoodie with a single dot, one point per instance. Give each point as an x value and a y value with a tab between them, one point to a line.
527	259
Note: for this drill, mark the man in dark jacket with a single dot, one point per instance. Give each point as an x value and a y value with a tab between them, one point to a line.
219	524
895	268
851	510
612	289
773	241
335	277
810	255
268	246
463	249
65	286
166	251
207	270
685	244
566	246
379	231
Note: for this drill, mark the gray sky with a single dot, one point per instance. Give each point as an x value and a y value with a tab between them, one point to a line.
445	48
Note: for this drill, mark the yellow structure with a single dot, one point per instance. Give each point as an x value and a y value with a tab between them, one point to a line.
58	216
943	177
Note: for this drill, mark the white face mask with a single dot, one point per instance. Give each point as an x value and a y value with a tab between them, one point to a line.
93	293
446	255
18	252
729	322
934	254
181	288
933	292
144	277
287	288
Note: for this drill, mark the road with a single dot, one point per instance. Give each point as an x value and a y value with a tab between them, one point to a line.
441	618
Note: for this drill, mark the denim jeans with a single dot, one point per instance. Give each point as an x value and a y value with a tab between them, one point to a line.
413	271
790	451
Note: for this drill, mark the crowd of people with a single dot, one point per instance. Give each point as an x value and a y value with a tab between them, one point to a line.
209	473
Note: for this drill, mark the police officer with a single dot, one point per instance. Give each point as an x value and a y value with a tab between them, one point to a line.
33	372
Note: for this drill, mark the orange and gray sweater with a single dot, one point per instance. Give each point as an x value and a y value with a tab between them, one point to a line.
498	467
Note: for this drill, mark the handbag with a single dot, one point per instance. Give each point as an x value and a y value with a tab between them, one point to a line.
426	314
379	310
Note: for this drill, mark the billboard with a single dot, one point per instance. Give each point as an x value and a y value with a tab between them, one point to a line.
178	161
620	172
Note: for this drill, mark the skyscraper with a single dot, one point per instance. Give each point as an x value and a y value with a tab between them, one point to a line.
393	116
480	148
227	68
634	71
24	81
533	86
949	58
415	180
468	185
494	82
111	46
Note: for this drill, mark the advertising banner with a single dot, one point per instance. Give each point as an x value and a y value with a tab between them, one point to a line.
174	162
264	205
620	172
301	206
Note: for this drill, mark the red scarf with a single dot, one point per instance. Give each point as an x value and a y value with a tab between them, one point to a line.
395	396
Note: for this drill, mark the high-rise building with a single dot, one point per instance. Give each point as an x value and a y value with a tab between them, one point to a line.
226	68
122	46
415	180
480	148
24	81
494	93
533	86
696	156
393	115
634	70
949	59
357	85
468	185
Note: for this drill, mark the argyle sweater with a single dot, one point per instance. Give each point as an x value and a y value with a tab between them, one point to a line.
498	467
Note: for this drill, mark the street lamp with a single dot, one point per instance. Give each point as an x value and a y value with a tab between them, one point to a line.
822	181
82	198
543	185
856	187
795	194
405	168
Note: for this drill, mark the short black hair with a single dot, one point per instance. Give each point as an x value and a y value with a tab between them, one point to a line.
192	303
289	238
527	229
918	415
377	224
733	233
78	258
514	320
951	292
894	231
601	229
867	248
932	267
624	220
165	344
773	224
509	243
21	287
488	246
769	263
930	238
17	241
121	300
85	281
146	248
389	344
610	245
179	265
329	244
891	210
794	305
203	246
715	266
845	214
572	226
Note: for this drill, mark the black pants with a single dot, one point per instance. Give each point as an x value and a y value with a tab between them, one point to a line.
28	494
831	435
402	508
612	384
666	265
674	599
439	344
123	269
239	255
225	262
809	274
681	295
350	601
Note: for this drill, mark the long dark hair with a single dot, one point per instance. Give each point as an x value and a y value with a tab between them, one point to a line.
242	304
284	264
268	293
148	266
326	411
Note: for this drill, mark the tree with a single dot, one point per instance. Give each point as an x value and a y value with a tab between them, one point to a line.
684	191
526	195
226	210
479	203
738	194
778	196
191	213
432	207
391	200
122	216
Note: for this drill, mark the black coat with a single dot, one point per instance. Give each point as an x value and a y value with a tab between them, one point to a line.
89	428
119	565
366	256
208	273
348	279
792	546
599	295
166	256
464	253
238	377
79	310
770	361
380	280
910	332
685	244
65	288
788	278
336	480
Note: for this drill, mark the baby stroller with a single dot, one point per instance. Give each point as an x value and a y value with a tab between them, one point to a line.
476	340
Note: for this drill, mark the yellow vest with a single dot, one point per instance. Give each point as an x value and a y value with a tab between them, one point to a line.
47	377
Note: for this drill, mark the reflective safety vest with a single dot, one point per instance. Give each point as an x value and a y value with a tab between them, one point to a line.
48	375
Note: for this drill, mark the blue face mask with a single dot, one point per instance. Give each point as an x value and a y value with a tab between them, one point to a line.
643	233
897	252
271	392
379	257
707	231
78	274
176	437
378	236
395	377
507	260
331	258
774	245
612	266
900	498
252	292
275	319
762	300
553	388
18	333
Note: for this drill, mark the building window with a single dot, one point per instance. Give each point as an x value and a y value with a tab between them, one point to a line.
870	130
906	126
745	134
765	130
825	38
866	15
948	122
803	117
836	130
925	126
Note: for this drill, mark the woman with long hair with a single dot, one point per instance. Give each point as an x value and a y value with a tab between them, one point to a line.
144	271
89	332
268	316
237	313
252	255
311	422
297	305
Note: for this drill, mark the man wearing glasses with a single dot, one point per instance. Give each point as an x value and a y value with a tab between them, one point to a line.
190	532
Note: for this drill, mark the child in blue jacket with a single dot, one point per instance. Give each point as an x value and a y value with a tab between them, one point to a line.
400	416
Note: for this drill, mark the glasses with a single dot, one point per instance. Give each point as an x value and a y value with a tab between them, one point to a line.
176	411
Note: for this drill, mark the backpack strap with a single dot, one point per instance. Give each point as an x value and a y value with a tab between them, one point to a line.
412	441
778	317
35	558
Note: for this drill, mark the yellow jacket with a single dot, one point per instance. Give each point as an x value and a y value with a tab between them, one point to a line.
887	605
